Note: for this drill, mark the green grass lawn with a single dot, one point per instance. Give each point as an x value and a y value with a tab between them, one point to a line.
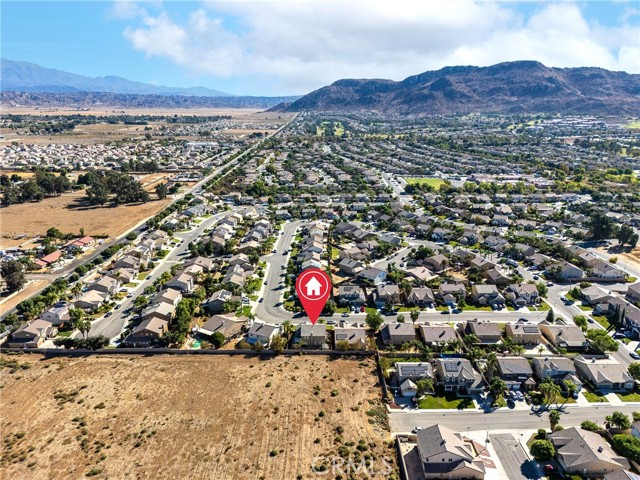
370	310
245	311
602	320
484	308
629	397
335	253
634	124
198	221
593	397
434	182
560	399
130	284
143	275
449	400
64	334
585	308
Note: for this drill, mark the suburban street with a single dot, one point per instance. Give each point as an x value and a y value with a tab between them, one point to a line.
113	325
270	309
504	419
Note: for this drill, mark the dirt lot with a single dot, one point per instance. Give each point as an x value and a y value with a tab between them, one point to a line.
186	417
64	213
8	303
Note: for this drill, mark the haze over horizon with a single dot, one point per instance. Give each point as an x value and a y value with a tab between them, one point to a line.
292	48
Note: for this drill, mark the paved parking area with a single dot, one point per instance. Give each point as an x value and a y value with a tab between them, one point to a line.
513	457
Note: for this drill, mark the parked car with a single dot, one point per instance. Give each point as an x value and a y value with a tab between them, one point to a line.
361	309
331	322
345	314
634	355
520	395
536	277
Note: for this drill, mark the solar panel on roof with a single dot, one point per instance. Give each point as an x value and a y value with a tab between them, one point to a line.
450	367
530	329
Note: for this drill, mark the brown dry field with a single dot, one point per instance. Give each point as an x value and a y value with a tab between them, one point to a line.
36	218
8	303
167	417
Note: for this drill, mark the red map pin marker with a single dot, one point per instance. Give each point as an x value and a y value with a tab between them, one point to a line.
313	287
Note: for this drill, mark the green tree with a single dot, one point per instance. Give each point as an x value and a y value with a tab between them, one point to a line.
618	420
550	317
549	390
542	289
162	190
590	425
601	226
278	344
400	318
13	275
415	314
554	419
628	446
634	370
601	341
496	387
287	329
582	322
424	385
374	321
542	450
217	339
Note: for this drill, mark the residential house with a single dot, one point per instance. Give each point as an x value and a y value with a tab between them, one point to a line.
398	333
147	333
215	303
387	294
351	295
523	332
487	295
170	296
558	369
585	453
564	271
421	297
182	282
437	263
350	266
91	300
437	334
261	332
604	374
228	326
57	314
447	454
516	372
356	337
564	335
413	371
32	334
163	311
311	336
373	275
458	375
107	285
497	276
607	271
523	294
485	331
451	293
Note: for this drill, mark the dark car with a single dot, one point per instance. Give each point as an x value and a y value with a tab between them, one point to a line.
549	469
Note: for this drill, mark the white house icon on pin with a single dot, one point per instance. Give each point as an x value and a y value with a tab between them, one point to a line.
313	287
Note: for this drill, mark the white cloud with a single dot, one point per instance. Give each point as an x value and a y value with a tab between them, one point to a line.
302	45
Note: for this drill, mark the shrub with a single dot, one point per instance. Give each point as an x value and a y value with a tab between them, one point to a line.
542	450
590	426
628	446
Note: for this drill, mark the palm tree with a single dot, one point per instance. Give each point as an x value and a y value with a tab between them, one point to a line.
287	329
492	360
415	314
540	349
84	325
554	419
571	388
405	290
76	290
550	390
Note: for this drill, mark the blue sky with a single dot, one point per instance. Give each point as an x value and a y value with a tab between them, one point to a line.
287	47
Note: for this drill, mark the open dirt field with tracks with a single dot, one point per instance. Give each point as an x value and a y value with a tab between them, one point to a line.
64	213
217	417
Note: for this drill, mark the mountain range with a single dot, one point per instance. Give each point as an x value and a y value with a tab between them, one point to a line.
30	77
510	87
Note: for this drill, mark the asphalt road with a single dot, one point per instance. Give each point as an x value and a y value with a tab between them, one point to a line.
513	457
270	309
572	416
